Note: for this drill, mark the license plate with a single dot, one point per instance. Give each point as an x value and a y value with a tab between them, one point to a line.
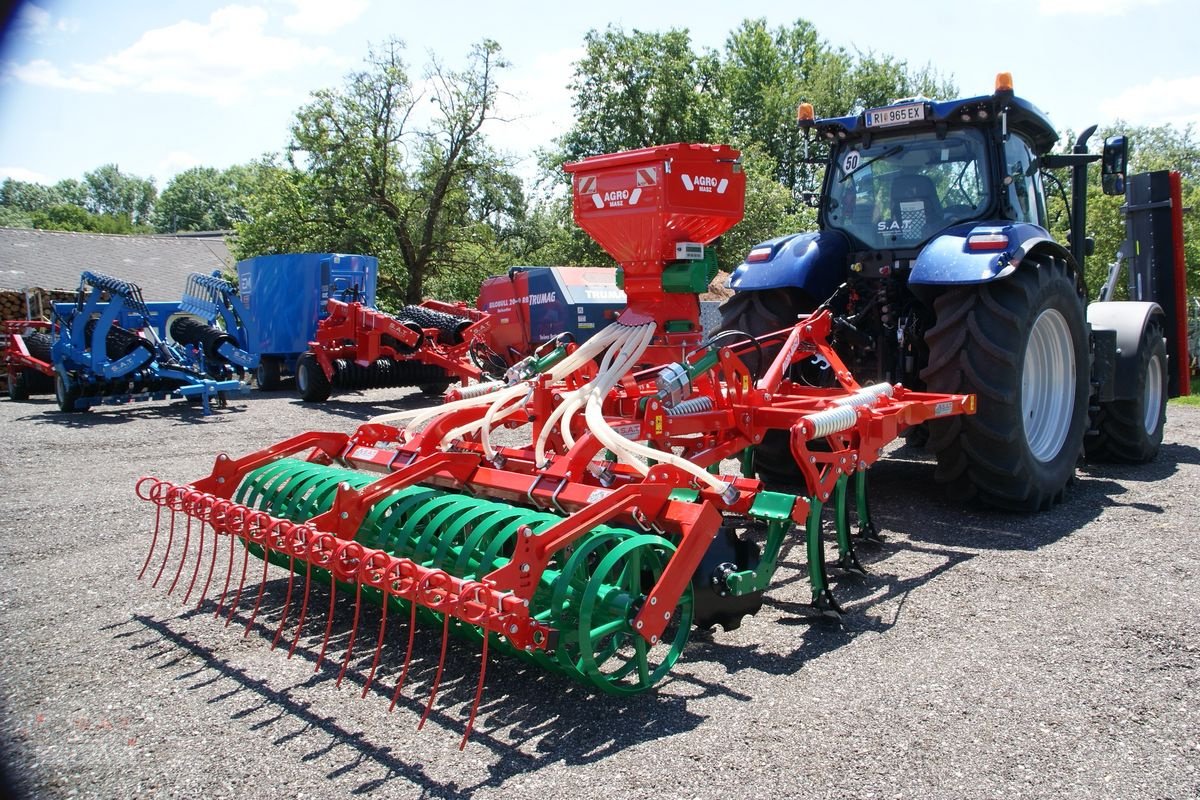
895	115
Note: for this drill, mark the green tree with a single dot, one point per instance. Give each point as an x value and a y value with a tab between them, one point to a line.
429	199
640	89
111	191
201	199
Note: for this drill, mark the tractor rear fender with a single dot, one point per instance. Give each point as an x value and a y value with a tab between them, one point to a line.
1129	319
981	252
815	262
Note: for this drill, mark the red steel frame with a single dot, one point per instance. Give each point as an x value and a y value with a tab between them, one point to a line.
13	352
355	332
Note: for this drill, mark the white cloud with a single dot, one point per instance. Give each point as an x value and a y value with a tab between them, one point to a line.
174	163
28	175
1162	100
223	59
1093	8
322	16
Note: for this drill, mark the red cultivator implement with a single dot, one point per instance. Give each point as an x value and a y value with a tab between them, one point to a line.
25	354
593	548
359	347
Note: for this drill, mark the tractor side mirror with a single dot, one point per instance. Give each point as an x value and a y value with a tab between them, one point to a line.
1113	164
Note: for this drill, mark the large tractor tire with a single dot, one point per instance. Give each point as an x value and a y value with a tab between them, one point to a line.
1020	345
757	313
311	381
1131	430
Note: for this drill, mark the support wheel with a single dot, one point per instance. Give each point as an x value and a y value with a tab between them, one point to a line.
311	381
268	373
1131	430
68	398
18	386
1020	346
437	389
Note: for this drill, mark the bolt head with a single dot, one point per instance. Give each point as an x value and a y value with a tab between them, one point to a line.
666	615
525	568
639	625
220	480
653	640
653	601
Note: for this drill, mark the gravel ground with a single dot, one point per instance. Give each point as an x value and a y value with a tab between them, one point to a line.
985	656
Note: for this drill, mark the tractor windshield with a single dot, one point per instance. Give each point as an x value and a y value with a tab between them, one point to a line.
901	190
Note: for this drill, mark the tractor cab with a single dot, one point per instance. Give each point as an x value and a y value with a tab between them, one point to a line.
899	175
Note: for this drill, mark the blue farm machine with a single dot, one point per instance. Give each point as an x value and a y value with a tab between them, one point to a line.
111	346
935	260
584	512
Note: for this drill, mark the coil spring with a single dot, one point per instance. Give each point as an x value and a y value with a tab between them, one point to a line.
831	420
866	396
695	405
480	389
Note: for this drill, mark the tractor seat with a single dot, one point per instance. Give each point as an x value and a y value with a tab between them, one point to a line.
915	206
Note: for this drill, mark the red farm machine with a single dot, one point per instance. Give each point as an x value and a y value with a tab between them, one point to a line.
620	520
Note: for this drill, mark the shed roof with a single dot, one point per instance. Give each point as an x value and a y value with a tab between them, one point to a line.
158	264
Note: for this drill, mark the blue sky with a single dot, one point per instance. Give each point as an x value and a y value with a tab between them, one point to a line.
157	86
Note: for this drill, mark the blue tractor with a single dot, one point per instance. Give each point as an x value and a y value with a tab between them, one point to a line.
934	254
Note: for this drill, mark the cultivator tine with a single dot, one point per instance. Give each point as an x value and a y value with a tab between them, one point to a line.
472	594
228	567
349	558
237	597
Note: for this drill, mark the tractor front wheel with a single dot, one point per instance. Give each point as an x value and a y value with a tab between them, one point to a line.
311	380
1131	430
1020	346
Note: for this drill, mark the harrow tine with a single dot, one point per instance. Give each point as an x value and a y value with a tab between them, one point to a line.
303	607
378	644
262	586
170	541
472	609
483	662
287	600
396	576
241	583
187	540
412	629
212	559
353	633
437	676
436	597
228	571
328	621
153	494
199	557
350	565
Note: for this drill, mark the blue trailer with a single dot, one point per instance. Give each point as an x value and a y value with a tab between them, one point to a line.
287	295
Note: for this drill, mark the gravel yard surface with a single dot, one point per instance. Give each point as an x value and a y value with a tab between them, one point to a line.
986	655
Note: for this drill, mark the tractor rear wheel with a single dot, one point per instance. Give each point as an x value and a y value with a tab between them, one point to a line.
311	380
1131	430
757	313
1020	346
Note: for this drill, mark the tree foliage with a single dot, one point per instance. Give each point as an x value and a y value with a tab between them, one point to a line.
203	199
366	171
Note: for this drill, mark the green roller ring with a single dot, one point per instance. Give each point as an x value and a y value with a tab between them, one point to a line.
605	621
